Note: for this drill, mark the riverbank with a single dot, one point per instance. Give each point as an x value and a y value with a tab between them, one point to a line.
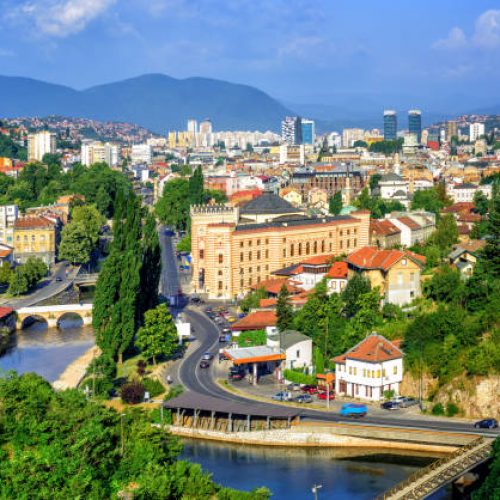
323	435
75	371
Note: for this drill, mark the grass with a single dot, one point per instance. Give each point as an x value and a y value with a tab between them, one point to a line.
129	367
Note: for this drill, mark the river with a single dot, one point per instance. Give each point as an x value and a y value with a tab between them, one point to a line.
47	351
290	473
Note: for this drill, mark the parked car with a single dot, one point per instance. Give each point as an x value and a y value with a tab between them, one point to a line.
208	356
293	387
407	402
390	405
353	410
236	373
282	396
487	423
303	398
310	389
59	278
398	399
204	364
326	395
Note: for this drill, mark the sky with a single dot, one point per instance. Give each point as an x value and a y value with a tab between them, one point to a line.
431	53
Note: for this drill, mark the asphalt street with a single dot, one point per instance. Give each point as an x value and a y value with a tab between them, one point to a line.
169	283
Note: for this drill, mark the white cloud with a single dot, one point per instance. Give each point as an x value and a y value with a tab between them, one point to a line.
487	32
455	40
61	18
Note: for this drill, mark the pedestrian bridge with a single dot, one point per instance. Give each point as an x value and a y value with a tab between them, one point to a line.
427	481
52	315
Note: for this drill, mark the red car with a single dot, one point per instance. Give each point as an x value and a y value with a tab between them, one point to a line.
323	395
310	389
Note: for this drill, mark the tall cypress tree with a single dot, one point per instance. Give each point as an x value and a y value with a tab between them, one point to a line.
196	191
151	267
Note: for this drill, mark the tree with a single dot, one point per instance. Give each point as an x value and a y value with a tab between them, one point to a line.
374	180
5	273
103	201
173	207
481	202
195	191
284	310
34	269
356	286
75	245
335	203
491	486
360	144
427	199
252	338
91	218
446	233
184	245
18	283
491	251
158	337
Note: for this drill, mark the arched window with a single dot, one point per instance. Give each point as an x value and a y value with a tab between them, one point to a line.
292	250
323	246
308	248
300	249
221	258
315	247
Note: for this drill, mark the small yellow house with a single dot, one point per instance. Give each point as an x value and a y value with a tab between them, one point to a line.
395	272
291	195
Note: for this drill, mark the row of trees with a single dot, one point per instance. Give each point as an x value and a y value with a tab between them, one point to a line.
128	283
24	277
376	205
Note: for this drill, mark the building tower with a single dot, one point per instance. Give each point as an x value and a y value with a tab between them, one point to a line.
308	131
415	123
291	130
390	125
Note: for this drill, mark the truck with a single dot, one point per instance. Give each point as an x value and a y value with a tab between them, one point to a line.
353	410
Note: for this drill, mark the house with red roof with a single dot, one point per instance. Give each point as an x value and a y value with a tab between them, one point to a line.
395	272
337	277
384	234
257	320
368	369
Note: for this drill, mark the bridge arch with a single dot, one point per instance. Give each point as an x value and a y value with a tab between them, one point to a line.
31	319
53	314
70	315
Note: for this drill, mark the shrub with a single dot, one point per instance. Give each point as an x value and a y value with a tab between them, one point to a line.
452	409
132	392
299	378
141	367
153	386
252	338
389	394
173	392
438	409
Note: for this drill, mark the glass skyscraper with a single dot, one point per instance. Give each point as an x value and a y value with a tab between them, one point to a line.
390	125
415	123
308	131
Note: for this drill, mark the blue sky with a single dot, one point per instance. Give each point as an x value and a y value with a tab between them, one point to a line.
434	53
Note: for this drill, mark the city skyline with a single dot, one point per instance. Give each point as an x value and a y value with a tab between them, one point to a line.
287	49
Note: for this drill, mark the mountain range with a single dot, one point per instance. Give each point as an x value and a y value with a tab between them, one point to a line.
161	103
157	102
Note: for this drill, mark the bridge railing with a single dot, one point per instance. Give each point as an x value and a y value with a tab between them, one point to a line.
430	468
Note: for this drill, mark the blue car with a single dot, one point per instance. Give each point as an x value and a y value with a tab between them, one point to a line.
353	410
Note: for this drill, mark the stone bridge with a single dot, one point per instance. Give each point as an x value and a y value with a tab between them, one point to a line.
52	314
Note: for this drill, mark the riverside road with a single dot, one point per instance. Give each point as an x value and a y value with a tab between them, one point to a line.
201	381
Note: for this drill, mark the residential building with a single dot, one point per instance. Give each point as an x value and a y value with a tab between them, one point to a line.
8	218
206	127
476	130
308	131
35	236
296	346
416	226
192	126
351	135
336	277
390	125
465	192
451	130
141	153
464	256
384	234
96	152
234	248
395	272
317	198
393	186
256	320
292	196
415	123
291	130
370	368
40	144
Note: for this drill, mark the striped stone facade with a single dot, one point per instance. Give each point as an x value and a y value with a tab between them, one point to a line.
229	257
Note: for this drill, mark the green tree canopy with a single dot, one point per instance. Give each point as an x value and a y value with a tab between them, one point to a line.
284	311
335	203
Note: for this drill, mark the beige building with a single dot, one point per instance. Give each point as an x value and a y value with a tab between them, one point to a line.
234	248
41	143
292	196
35	237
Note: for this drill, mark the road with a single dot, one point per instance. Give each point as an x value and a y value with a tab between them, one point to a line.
47	288
202	381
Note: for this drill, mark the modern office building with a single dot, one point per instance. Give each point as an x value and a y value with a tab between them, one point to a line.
291	130
308	131
41	143
141	153
415	123
390	125
476	130
192	126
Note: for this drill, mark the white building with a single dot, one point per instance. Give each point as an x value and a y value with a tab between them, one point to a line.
351	135
296	346
192	126
8	217
41	143
370	368
390	184
96	152
141	153
466	191
476	130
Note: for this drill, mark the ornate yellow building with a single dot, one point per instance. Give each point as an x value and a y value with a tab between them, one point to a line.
234	248
35	237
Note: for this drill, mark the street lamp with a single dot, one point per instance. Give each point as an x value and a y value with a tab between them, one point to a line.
315	489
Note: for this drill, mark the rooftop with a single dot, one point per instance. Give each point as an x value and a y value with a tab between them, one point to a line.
256	354
268	203
383	227
33	223
255	321
289	338
373	258
338	271
374	349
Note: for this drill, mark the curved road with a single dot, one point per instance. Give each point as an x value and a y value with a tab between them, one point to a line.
201	381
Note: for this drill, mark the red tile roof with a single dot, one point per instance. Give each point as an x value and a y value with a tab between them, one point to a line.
5	253
409	222
338	271
33	223
5	311
372	258
469	217
256	321
461	206
274	286
374	349
383	227
318	260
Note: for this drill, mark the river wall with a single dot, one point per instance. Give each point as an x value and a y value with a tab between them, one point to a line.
75	371
324	435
